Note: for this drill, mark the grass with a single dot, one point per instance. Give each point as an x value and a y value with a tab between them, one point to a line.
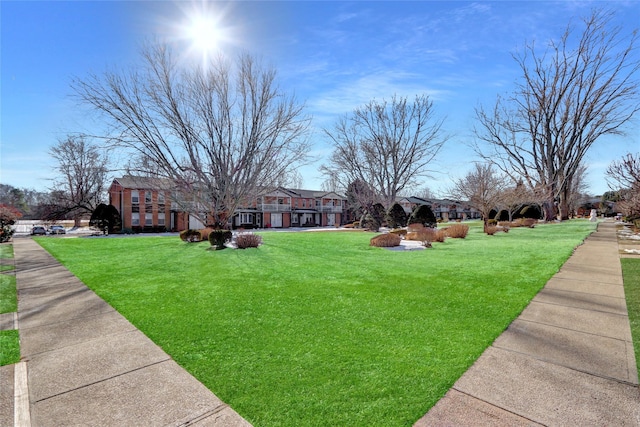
631	277
6	251
9	347
319	328
9	340
8	300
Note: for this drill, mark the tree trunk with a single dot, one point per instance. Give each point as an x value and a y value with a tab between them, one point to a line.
564	205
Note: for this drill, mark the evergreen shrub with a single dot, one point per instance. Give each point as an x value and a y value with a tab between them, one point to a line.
217	238
423	215
396	216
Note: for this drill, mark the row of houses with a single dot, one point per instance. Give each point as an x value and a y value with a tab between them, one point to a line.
145	204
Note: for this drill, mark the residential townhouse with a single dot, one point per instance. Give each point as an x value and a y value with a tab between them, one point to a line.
443	209
145	205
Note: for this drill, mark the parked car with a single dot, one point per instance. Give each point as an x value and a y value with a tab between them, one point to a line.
57	229
38	231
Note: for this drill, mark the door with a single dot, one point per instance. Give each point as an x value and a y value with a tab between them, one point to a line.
276	220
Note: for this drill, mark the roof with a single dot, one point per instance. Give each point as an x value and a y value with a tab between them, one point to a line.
313	194
144	182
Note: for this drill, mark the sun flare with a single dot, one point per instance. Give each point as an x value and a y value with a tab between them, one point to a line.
204	33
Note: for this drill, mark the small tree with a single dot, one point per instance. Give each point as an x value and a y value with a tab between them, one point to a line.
423	215
483	188
79	187
8	216
625	172
388	144
106	218
396	216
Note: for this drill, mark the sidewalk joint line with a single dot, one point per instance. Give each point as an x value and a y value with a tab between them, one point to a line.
168	359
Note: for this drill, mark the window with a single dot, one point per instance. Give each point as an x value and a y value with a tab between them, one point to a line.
135	219
161	198
304	203
161	219
147	197
148	220
246	218
135	197
280	201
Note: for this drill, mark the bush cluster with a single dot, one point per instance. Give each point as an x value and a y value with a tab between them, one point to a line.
387	240
248	240
457	231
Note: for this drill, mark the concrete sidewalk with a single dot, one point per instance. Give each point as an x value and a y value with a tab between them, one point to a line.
567	360
85	364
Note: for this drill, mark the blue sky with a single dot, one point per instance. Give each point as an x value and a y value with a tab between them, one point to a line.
334	55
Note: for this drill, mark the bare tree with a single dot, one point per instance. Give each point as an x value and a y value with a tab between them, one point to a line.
224	133
513	198
568	98
387	145
625	173
80	185
483	188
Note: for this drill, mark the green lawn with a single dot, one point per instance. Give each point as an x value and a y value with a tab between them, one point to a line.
318	328
6	250
9	341
631	275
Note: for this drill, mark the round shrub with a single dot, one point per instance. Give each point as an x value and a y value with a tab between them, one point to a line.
457	231
190	235
387	240
248	240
